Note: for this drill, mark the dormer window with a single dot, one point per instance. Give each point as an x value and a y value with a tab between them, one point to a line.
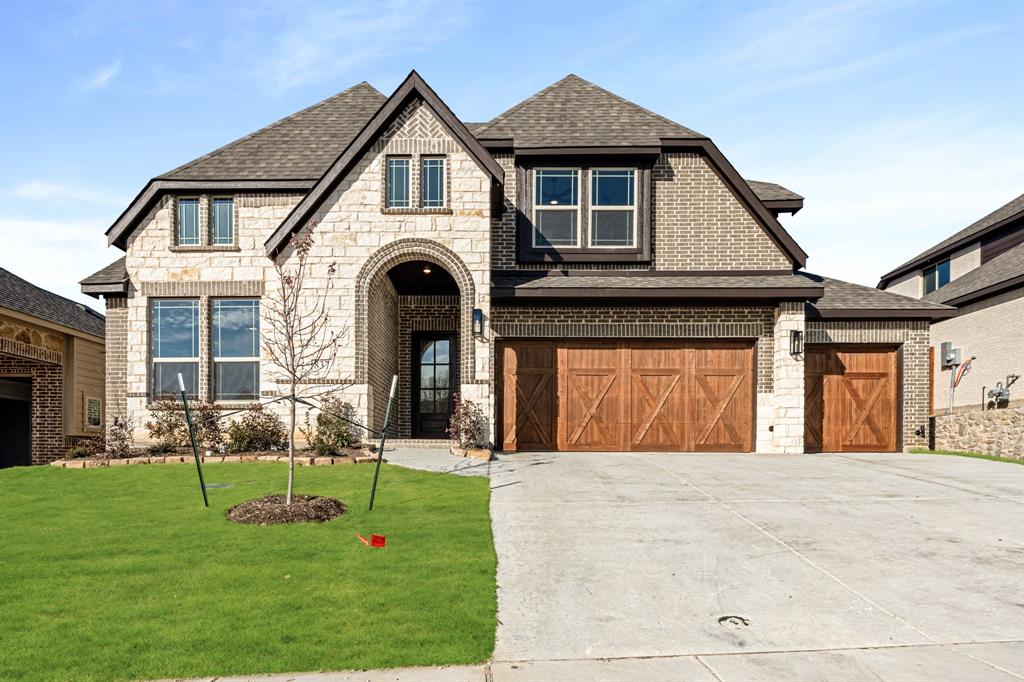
595	210
936	276
556	212
612	207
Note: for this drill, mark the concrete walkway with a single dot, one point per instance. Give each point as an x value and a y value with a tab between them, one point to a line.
724	567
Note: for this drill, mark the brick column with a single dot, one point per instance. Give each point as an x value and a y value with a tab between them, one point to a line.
116	359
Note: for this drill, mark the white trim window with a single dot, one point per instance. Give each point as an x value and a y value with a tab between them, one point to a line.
432	182
174	333
613	207
223	218
556	207
399	181
236	349
188	222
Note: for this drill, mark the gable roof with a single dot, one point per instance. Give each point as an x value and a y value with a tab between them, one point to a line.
998	218
110	280
412	87
849	300
300	146
770	191
575	112
24	297
1004	272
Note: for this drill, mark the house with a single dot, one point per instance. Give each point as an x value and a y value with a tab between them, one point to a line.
980	272
51	373
594	275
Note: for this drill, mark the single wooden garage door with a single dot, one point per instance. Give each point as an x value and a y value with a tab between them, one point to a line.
627	395
850	399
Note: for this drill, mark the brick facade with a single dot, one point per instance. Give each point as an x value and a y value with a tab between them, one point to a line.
911	336
381	345
47	406
117	360
420	314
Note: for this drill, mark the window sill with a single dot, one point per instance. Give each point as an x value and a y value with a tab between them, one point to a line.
583	256
416	211
200	248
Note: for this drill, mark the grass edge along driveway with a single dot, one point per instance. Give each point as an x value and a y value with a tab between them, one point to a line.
121	573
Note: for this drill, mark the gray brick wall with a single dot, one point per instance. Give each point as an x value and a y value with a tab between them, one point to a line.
382	345
912	338
116	359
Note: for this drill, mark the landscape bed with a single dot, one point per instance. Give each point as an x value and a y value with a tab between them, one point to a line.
121	573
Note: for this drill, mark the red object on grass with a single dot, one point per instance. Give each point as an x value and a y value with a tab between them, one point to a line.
374	541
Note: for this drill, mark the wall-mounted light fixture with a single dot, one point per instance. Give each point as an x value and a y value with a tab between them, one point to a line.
426	268
478	322
796	342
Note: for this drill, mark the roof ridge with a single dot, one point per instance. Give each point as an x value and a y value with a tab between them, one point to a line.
270	126
529	100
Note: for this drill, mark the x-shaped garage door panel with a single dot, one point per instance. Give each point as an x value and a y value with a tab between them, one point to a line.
593	400
528	407
864	412
718	401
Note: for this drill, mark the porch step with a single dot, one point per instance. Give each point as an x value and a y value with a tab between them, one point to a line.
437	443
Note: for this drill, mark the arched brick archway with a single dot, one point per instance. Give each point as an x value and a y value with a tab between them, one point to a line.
403	251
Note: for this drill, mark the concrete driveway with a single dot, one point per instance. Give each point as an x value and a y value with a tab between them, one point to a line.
758	567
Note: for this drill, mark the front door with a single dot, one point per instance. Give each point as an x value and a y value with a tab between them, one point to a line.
434	370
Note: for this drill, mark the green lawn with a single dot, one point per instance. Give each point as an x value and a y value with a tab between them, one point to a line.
121	573
957	453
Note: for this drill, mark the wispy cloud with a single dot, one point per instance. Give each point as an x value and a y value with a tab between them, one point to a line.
64	194
100	78
323	41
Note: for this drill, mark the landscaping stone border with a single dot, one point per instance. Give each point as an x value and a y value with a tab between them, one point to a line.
216	459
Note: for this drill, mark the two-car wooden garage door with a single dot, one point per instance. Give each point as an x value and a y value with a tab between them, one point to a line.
627	395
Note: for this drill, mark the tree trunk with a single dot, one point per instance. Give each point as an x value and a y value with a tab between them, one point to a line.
291	447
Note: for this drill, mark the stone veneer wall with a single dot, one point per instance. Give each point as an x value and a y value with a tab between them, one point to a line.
779	425
351	226
420	314
382	346
47	408
912	338
697	224
992	432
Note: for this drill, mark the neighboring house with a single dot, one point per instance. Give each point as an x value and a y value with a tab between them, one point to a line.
51	373
592	274
979	271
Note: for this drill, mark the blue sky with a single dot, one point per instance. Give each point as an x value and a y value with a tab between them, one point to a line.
899	122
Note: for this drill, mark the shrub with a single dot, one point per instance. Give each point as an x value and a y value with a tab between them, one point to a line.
87	447
468	425
120	438
170	429
334	430
258	429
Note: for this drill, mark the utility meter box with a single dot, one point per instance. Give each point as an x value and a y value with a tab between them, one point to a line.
950	356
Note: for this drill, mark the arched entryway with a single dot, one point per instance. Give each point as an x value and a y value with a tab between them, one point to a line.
414	301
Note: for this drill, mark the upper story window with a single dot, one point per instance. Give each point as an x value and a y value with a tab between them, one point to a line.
556	207
222	229
936	276
174	335
612	207
399	181
236	349
188	222
432	182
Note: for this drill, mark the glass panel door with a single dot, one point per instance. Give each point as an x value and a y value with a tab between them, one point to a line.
433	377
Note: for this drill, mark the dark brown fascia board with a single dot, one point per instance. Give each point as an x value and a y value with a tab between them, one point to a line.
791	206
412	86
986	292
675	293
539	274
581	151
97	290
814	313
118	233
929	258
743	192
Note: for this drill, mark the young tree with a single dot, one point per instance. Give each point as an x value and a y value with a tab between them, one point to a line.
299	341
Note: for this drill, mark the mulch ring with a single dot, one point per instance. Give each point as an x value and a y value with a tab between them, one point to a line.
272	510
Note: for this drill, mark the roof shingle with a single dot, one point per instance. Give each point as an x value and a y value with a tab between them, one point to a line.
24	297
297	147
1004	268
843	296
574	113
